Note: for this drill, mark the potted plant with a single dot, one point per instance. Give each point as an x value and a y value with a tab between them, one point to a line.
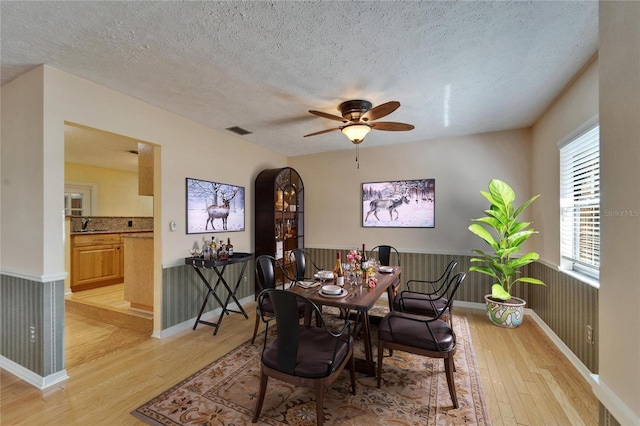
502	231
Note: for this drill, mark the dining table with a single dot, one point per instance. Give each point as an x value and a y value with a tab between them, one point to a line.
355	297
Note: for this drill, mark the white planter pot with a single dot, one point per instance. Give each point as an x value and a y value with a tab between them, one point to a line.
508	315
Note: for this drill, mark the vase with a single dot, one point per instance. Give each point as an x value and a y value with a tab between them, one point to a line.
281	204
508	314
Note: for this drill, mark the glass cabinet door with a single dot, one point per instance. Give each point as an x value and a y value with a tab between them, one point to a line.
288	192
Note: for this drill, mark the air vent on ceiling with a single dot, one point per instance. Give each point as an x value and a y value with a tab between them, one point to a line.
239	130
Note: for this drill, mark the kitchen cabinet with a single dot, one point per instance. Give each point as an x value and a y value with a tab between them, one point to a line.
138	270
96	261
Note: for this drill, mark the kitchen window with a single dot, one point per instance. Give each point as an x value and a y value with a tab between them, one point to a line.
80	199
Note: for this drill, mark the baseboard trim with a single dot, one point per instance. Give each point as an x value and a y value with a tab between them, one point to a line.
188	324
32	378
618	409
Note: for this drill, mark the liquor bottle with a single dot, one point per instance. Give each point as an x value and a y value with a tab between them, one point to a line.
221	251
338	273
229	247
364	254
212	248
206	251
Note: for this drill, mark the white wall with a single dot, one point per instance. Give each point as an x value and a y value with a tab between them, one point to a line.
575	106
619	316
461	167
22	183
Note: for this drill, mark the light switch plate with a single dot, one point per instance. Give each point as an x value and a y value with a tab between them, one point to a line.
172	225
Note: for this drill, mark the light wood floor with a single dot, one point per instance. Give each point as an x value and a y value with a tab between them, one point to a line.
107	305
112	371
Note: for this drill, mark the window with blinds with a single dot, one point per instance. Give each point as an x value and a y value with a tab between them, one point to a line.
580	203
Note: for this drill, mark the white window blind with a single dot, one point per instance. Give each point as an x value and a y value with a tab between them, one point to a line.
580	203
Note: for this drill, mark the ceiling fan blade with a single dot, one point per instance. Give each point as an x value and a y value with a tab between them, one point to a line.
391	126
322	131
381	110
329	116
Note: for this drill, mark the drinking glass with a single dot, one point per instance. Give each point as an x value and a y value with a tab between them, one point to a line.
358	277
346	267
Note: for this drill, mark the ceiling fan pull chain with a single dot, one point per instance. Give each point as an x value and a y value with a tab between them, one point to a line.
357	156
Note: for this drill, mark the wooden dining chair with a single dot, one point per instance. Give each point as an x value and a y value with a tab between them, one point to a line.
266	267
428	297
301	354
384	255
420	335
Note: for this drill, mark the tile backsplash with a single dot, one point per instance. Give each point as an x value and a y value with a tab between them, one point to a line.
114	224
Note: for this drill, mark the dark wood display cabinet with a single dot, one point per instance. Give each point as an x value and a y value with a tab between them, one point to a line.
279	213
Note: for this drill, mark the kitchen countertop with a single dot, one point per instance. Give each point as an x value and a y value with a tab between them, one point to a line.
96	231
139	235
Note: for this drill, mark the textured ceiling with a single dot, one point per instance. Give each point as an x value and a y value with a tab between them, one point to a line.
456	67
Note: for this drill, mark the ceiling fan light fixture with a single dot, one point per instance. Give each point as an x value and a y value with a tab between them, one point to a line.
356	132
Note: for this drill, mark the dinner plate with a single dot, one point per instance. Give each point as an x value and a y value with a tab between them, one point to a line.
341	294
331	289
318	276
385	269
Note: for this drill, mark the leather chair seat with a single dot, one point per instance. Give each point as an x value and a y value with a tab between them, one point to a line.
315	353
416	333
267	306
419	303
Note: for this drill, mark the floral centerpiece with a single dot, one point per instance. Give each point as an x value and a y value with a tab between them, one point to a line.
362	271
354	258
372	281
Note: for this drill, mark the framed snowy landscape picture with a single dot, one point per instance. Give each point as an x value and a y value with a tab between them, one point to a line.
399	204
214	207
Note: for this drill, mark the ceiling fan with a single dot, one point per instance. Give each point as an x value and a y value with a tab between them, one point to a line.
359	116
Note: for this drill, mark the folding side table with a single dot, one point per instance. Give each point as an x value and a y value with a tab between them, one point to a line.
219	266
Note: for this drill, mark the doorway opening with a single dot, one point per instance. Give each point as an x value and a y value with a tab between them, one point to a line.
102	187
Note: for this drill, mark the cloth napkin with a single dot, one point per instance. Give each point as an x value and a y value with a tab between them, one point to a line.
309	284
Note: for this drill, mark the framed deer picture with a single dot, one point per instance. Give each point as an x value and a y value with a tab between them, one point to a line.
399	204
214	207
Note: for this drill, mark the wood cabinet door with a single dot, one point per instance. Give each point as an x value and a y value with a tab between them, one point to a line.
95	266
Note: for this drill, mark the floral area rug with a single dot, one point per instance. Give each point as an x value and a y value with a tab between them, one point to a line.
413	392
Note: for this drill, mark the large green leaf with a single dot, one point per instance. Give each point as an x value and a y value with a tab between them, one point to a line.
518	238
485	257
498	292
484	234
517	226
523	260
491	221
530	280
501	193
483	270
486	195
524	206
500	216
502	253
